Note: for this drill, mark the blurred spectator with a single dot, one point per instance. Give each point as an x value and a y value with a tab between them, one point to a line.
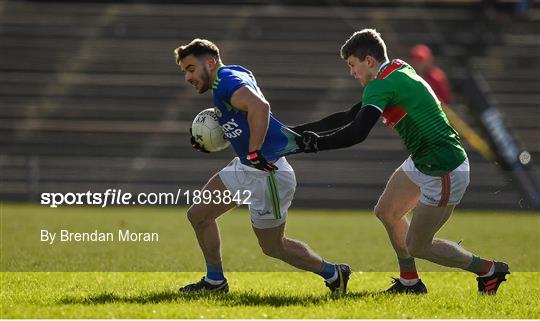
422	61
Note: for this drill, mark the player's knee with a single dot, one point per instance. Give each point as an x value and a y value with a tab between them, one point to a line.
382	212
274	250
417	249
196	218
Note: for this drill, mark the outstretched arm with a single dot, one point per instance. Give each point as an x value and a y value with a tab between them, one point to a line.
330	123
354	133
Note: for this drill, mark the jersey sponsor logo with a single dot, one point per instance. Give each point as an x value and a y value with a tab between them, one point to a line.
231	129
393	115
393	66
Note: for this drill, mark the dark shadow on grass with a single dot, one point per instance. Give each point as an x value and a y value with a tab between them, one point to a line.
228	299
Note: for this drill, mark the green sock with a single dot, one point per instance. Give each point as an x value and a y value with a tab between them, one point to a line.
479	265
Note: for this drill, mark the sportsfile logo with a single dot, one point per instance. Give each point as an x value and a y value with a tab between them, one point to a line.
109	197
119	197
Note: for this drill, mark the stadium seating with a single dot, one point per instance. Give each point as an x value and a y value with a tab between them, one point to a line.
91	98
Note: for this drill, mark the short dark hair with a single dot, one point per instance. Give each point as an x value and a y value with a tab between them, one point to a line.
366	42
197	47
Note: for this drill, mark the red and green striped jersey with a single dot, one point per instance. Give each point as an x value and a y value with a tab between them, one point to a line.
409	105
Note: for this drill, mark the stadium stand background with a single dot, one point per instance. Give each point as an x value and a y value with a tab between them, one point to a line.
90	96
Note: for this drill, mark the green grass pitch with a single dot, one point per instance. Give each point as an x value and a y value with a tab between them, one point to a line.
137	280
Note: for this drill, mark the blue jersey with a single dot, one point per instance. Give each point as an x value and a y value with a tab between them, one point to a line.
279	140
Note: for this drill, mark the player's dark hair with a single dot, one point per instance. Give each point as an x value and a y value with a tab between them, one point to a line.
366	42
197	47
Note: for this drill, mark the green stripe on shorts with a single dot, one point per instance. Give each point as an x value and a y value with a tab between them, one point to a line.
274	195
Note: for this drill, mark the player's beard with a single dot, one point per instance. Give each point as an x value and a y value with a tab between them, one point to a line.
205	82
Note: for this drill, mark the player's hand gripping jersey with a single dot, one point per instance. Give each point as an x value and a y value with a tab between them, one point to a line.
410	107
279	140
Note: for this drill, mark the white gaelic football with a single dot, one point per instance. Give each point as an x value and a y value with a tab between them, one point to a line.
208	132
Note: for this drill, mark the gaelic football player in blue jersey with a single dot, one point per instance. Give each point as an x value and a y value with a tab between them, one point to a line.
260	142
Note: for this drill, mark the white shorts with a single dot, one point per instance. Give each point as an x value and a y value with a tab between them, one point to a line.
271	193
439	191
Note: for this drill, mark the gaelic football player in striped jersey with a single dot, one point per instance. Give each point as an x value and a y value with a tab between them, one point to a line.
430	182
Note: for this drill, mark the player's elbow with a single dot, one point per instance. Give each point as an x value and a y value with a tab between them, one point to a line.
360	135
260	108
265	107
